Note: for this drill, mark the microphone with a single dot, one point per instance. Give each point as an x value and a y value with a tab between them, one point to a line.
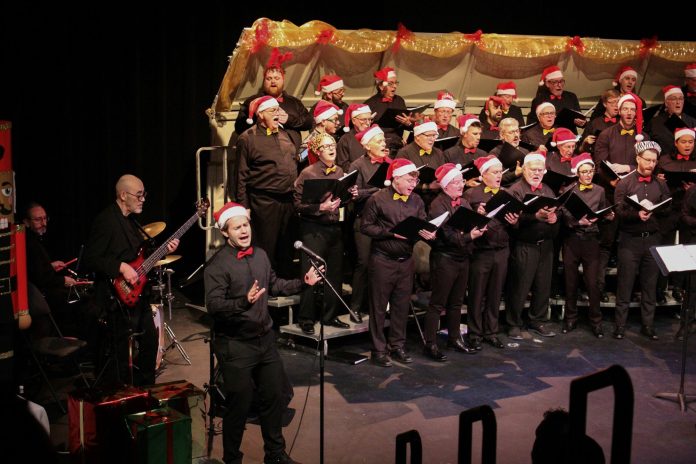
300	246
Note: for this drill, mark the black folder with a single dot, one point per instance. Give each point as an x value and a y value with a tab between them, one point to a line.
410	227
380	175
318	190
343	185
427	174
446	142
465	220
470	171
579	209
502	198
610	173
489	144
649	113
556	180
566	117
675	178
674	122
509	156
650	209
388	119
533	203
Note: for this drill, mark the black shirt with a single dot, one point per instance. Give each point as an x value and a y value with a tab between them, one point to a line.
655	191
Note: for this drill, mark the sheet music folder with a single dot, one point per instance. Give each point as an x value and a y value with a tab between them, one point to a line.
674	258
410	226
317	190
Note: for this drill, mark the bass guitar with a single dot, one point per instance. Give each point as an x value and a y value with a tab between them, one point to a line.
129	294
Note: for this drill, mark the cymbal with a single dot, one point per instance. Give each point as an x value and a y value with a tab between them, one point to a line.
154	228
167	259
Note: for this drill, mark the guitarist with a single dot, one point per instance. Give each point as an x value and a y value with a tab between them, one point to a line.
114	241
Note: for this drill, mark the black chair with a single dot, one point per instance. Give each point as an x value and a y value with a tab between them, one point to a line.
490	431
412	437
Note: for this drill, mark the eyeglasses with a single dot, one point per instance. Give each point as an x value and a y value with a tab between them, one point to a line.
39	220
536	170
412	180
392	84
651	161
675	98
429	136
556	82
548	113
586	172
364	120
333	120
330	146
138	196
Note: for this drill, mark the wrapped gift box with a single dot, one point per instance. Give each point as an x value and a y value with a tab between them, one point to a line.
188	399
160	436
96	418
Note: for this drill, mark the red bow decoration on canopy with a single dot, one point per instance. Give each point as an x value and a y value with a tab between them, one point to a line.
325	36
261	36
402	33
475	37
576	43
647	45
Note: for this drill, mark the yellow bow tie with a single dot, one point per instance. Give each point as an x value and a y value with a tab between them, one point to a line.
585	187
330	170
549	131
270	131
629	132
403	198
424	152
489	189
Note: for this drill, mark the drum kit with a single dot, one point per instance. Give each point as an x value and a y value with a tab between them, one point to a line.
163	285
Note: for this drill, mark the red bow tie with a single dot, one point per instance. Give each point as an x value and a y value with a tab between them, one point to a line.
470	150
690	94
608	119
279	99
534	189
554	97
378	160
456	202
494	128
566	160
443	127
683	157
644	179
243	253
387	99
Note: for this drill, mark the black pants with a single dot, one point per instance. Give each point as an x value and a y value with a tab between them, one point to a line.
578	249
607	245
635	259
247	365
327	241
358	300
530	269
487	274
449	278
391	282
271	219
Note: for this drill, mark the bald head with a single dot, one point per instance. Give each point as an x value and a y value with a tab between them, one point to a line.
130	194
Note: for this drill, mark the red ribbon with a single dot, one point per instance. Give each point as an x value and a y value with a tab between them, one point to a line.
470	150
444	127
475	37
644	179
647	45
566	160
378	160
608	119
261	36
243	253
691	94
279	99
387	99
683	157
494	128
402	33
538	187
576	43
325	36
456	202
554	97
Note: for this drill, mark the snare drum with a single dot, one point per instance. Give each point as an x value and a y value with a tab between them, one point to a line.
158	317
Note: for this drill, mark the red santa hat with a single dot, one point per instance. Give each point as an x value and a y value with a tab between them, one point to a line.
324	110
639	112
542	106
690	70
577	161
277	59
399	167
563	135
368	134
535	156
383	75
552	72
445	100
424	127
465	121
354	110
681	132
671	90
228	211
260	104
329	83
623	72
446	173
484	163
506	88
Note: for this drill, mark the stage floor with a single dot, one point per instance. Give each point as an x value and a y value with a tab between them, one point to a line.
367	406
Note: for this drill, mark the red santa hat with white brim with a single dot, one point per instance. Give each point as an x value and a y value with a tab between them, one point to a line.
671	90
446	173
552	72
399	167
425	127
368	134
690	70
324	110
681	132
229	211
445	100
484	163
353	111
543	106
260	104
506	88
383	75
329	83
639	112
465	121
577	161
562	136
623	72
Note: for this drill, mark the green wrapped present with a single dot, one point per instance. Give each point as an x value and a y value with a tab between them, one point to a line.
160	436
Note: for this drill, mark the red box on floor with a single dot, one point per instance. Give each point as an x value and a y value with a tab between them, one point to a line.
96	422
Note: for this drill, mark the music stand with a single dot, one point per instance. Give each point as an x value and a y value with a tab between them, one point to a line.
678	258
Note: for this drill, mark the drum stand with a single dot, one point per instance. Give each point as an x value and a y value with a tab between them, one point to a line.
168	297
